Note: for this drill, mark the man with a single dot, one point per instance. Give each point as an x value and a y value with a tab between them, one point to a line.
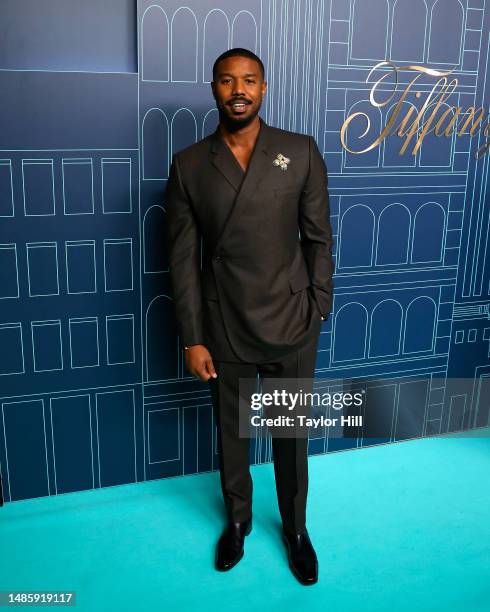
258	197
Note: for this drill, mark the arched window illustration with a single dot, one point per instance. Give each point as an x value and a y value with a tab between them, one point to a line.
216	37
210	122
446	32
356	237
393	235
350	332
155	145
162	344
393	143
369	29
184	46
183	130
436	151
361	133
386	329
155	253
419	325
407	43
154	44
244	31
428	233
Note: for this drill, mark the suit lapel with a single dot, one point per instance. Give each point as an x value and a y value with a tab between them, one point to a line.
245	184
224	160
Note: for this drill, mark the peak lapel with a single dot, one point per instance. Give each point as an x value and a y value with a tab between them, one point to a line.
258	167
222	158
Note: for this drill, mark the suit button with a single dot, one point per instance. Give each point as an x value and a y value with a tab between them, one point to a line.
217	258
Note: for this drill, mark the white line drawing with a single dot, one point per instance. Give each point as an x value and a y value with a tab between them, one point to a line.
118	201
9	264
184	38
80	331
215	40
118	255
18	403
158	136
53	409
81	269
119	325
6	189
156	20
42	259
153	257
151	415
114	394
38	187
78	172
42	339
314	78
11	335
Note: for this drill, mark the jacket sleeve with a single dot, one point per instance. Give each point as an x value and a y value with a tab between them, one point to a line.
316	230
183	242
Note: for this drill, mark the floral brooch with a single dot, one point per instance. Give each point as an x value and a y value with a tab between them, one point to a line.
281	161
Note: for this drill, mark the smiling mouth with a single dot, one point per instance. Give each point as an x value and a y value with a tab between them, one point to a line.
239	106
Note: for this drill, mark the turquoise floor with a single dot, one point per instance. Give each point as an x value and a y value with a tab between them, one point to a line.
403	526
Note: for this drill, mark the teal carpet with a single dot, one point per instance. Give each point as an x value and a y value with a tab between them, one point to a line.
401	526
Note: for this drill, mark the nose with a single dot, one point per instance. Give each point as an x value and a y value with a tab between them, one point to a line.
237	88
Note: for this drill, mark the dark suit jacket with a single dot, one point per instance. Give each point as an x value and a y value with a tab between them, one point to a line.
258	287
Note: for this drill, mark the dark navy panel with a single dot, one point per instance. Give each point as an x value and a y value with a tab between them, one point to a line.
38	181
120	339
46	345
6	190
118	264
60	35
379	411
78	186
42	264
191	441
164	442
26	449
80	266
12	354
84	342
9	281
116	437
89	111
96	99
412	406
72	454
116	185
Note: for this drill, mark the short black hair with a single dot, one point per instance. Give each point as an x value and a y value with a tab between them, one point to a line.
240	51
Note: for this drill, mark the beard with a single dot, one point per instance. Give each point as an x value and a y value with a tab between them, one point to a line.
234	123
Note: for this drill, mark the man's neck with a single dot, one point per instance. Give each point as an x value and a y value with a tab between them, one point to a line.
243	136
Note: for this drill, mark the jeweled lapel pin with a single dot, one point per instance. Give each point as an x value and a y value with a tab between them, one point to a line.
281	161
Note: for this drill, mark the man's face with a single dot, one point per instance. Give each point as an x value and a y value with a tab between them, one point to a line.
238	90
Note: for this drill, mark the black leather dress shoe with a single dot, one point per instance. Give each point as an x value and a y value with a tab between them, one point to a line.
229	550
302	557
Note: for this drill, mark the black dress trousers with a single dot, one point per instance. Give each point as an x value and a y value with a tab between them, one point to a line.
290	454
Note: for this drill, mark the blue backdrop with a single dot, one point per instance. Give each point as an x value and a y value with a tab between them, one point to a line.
96	97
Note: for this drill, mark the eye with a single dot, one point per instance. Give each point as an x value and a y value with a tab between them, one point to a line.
250	81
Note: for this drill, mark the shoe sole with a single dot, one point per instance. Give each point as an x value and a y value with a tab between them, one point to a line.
292	568
239	558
